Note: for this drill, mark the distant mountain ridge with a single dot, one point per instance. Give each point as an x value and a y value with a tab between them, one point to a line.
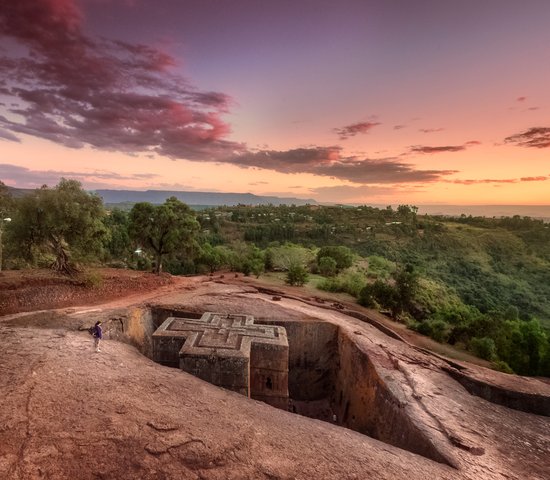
534	211
198	198
229	199
541	212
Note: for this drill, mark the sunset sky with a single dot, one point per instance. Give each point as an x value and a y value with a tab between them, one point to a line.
359	101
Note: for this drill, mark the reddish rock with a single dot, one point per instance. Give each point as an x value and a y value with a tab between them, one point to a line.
411	417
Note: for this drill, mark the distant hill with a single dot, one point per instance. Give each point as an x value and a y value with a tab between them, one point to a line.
211	199
19	192
197	198
497	211
535	211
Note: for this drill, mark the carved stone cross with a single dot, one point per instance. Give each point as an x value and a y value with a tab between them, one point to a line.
230	351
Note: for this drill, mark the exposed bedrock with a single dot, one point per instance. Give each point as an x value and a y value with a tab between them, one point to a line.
337	378
524	401
325	364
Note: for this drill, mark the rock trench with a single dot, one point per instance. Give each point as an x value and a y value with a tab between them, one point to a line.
330	379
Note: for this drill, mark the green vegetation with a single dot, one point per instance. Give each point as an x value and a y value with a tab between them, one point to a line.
480	284
6	205
57	225
6	202
341	256
351	281
296	275
161	230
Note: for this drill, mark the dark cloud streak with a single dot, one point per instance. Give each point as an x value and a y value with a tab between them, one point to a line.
443	149
431	130
498	180
28	178
355	129
536	137
430	150
328	162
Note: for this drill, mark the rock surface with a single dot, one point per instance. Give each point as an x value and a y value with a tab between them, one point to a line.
68	412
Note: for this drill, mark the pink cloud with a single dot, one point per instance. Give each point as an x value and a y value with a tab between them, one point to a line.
112	95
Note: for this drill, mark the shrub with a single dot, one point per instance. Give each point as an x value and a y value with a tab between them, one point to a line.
380	293
296	275
253	265
502	367
329	285
437	329
92	280
327	266
483	347
343	256
366	297
351	282
380	267
143	263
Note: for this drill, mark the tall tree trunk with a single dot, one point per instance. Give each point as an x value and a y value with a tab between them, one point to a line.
158	266
62	262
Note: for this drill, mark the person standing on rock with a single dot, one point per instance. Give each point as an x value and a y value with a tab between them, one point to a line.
98	335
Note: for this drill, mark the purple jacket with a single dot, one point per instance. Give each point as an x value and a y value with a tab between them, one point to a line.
98	331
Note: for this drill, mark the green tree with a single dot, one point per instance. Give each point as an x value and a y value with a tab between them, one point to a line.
484	347
378	293
288	255
6	201
163	229
327	266
534	345
64	220
296	275
343	256
406	285
118	243
407	213
6	205
246	258
212	257
254	262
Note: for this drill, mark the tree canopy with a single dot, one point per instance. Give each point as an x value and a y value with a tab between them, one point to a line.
342	255
6	201
65	221
163	229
